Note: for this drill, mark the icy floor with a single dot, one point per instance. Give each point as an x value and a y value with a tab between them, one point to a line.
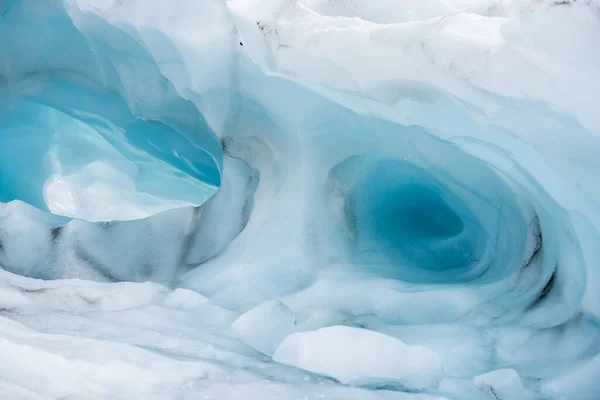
76	339
298	199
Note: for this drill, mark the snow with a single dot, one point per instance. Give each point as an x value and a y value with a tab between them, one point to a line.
264	327
300	199
360	355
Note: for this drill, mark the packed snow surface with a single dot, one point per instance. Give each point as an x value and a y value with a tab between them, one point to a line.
352	354
300	199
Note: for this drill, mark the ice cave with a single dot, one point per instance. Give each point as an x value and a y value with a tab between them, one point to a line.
300	199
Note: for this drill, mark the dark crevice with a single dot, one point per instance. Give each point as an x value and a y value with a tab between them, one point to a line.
494	393
547	289
537	232
55	233
226	143
251	184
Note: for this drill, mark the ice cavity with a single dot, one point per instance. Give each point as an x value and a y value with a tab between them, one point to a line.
439	200
90	127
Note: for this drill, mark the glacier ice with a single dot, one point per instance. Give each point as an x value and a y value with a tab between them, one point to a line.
141	148
264	327
355	355
505	384
299	199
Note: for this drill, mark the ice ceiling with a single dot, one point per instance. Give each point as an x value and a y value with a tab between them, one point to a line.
298	199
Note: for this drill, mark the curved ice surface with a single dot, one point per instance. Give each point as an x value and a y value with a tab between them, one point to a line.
407	203
91	128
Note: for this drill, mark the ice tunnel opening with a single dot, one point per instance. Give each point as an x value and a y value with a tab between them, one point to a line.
119	172
91	127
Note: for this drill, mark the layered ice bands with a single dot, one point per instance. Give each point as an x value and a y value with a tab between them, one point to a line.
269	199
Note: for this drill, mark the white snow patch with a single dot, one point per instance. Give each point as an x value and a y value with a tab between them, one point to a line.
350	354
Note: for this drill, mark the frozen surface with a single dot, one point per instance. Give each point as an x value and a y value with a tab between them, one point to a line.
503	384
264	327
361	356
301	199
90	127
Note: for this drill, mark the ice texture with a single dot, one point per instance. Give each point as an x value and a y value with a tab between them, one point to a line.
264	327
275	199
361	356
503	384
91	128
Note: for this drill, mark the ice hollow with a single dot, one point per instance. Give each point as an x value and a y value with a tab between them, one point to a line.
400	213
90	127
298	199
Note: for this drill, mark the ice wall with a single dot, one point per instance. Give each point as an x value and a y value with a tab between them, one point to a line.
407	203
